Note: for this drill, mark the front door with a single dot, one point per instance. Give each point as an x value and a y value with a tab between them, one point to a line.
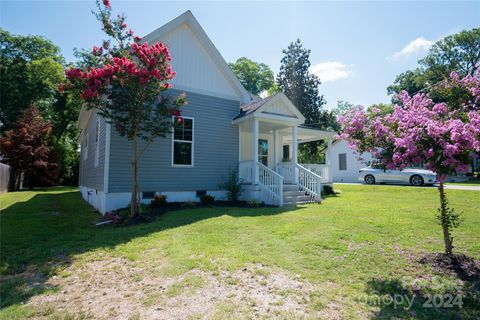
263	151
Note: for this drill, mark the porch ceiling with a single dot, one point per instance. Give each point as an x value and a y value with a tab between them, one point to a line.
307	135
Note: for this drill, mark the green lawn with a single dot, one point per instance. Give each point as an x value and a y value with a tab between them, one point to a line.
333	260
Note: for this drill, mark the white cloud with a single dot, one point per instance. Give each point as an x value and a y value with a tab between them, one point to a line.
415	46
330	71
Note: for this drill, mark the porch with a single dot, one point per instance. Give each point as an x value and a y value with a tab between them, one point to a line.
268	154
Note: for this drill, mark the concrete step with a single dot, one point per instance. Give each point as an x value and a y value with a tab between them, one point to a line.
293	193
297	199
291	187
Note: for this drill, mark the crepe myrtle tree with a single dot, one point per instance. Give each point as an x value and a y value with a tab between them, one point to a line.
420	131
125	87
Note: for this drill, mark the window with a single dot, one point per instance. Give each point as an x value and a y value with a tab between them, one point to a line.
97	140
182	142
286	153
85	147
342	161
263	151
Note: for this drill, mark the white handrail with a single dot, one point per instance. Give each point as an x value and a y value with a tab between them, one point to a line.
271	184
323	170
310	182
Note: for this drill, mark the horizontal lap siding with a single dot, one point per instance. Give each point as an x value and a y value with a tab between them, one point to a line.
215	151
91	176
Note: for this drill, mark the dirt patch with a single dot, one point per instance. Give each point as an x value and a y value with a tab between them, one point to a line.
119	289
459	265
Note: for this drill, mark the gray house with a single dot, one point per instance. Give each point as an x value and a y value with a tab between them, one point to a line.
225	127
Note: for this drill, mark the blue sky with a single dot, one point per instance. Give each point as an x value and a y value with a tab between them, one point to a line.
357	47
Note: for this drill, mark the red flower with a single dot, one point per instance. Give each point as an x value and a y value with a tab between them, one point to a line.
106	3
60	87
73	73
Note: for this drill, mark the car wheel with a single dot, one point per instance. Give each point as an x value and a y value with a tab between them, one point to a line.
416	180
369	179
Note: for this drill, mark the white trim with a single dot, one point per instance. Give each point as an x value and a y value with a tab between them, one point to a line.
281	96
188	18
185	141
106	167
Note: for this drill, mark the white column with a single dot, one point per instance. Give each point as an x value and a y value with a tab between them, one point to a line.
328	161
255	150
295	152
276	147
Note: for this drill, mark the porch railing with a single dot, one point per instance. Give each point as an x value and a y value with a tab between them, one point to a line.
245	171
323	170
271	185
310	182
269	182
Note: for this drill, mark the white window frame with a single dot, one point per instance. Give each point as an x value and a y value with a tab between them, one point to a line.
85	147
97	142
192	142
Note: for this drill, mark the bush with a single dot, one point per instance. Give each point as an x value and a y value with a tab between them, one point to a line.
158	200
328	190
189	204
254	203
232	185
145	209
206	199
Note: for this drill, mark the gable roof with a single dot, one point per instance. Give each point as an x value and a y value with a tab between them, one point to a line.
259	106
188	18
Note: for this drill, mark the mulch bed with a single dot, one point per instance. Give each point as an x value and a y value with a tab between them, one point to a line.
458	265
168	207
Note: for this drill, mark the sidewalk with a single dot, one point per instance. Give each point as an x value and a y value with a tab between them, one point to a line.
447	186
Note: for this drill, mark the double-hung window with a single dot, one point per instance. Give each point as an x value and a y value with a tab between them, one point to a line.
342	161
85	147
182	144
97	142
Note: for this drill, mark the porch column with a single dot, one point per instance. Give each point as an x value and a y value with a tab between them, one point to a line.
255	150
276	148
295	151
328	161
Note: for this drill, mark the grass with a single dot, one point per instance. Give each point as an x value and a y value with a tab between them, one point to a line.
355	248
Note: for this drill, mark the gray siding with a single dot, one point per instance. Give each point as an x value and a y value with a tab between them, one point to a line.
91	176
215	151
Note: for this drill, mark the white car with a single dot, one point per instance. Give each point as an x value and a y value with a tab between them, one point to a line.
417	177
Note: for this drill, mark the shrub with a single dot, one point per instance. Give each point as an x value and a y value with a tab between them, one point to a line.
158	200
124	213
254	203
189	204
232	185
145	209
206	199
328	190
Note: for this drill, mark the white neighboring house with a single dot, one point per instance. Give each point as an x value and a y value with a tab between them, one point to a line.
344	163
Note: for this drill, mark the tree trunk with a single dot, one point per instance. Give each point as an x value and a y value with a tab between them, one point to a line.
447	237
134	203
17	177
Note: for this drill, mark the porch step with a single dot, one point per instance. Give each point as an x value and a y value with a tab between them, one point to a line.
290	187
296	197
